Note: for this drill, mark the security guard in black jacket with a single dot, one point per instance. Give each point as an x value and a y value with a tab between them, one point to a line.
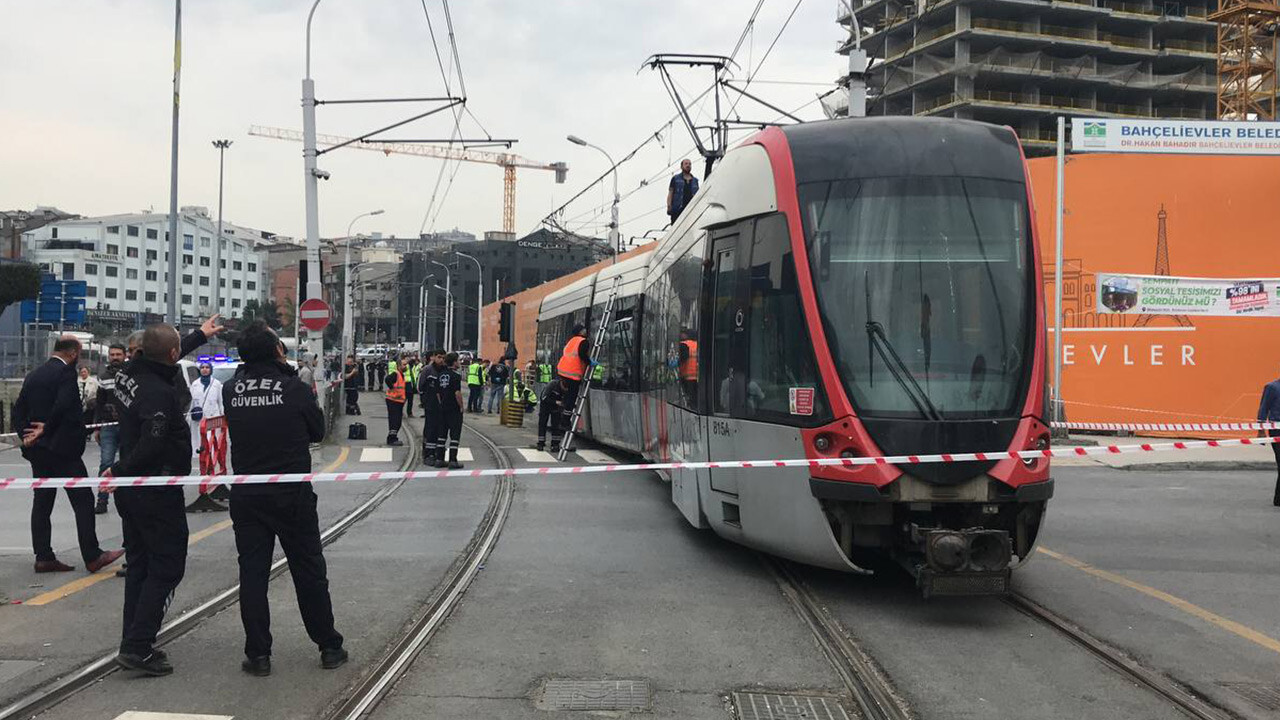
154	440
272	418
550	412
428	387
449	384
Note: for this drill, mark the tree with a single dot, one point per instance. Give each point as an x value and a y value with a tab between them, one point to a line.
252	309
270	314
18	281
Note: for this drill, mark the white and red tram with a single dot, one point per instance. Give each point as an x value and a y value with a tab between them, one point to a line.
843	288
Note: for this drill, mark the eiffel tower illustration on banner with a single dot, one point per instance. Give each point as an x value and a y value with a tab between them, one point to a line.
1162	268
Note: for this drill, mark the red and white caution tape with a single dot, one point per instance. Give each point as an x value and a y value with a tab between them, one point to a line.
1169	427
19	483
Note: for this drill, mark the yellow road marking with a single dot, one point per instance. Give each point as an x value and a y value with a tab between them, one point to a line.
342	457
1190	608
216	527
89	581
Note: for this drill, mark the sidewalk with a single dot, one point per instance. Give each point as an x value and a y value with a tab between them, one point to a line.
1239	457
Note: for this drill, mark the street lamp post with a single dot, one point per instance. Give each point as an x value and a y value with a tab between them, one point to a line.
423	296
448	302
222	146
448	312
347	324
615	233
479	299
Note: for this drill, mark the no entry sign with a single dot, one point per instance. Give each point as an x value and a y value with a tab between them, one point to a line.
314	314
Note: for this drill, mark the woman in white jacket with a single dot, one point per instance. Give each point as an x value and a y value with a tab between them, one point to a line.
206	402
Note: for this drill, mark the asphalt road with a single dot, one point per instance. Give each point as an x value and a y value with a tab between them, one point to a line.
40	642
598	577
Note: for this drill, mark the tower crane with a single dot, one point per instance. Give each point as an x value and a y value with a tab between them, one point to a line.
508	161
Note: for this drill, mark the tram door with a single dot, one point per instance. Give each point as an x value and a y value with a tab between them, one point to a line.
726	346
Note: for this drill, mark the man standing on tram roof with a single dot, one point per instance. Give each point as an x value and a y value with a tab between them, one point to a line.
680	190
273	418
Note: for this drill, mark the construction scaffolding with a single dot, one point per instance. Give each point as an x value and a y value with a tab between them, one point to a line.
1246	59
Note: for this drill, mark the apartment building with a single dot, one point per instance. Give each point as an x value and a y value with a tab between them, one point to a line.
1022	63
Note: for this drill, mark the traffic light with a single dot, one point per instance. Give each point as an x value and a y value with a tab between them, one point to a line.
506	320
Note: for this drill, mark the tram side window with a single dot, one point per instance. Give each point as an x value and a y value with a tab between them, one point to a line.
780	357
682	315
614	371
653	359
548	349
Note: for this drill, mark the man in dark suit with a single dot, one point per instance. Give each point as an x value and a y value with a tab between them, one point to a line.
48	413
1269	411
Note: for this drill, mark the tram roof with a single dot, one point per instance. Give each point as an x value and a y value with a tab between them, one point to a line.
853	148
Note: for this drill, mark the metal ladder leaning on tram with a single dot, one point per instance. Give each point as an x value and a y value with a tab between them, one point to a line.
596	343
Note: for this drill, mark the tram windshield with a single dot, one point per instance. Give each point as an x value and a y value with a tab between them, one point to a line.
925	290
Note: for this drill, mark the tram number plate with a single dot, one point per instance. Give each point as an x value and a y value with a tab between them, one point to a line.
801	401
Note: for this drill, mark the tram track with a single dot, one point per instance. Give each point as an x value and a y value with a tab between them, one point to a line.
56	691
867	684
365	696
1160	685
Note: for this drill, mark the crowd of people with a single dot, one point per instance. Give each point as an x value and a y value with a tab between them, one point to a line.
272	417
151	425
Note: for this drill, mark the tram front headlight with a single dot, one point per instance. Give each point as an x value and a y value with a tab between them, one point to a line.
822	443
1040	444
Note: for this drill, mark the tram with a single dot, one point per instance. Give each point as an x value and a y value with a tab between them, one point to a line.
858	287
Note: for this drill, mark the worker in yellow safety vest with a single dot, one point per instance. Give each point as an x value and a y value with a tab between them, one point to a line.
395	396
475	385
412	370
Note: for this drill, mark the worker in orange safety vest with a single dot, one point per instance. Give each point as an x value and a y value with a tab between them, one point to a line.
575	363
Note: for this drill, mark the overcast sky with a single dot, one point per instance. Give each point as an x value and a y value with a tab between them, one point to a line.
85	88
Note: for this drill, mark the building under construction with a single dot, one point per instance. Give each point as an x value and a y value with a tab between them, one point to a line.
1022	63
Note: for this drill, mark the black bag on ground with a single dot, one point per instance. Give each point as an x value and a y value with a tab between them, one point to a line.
357	431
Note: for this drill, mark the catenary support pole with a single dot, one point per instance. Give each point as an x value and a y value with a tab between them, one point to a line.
172	307
311	179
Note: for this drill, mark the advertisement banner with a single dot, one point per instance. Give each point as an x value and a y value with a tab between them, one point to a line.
1177	296
1201	137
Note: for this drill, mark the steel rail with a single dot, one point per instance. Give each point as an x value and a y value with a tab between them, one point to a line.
56	691
1158	684
377	683
869	687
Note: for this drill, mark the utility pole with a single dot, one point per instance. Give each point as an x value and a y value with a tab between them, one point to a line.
222	146
1058	413
174	247
856	80
310	268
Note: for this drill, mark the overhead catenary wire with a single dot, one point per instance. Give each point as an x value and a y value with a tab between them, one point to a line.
733	107
698	112
457	119
625	158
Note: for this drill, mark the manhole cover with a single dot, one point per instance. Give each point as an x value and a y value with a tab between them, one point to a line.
765	706
1264	695
627	695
